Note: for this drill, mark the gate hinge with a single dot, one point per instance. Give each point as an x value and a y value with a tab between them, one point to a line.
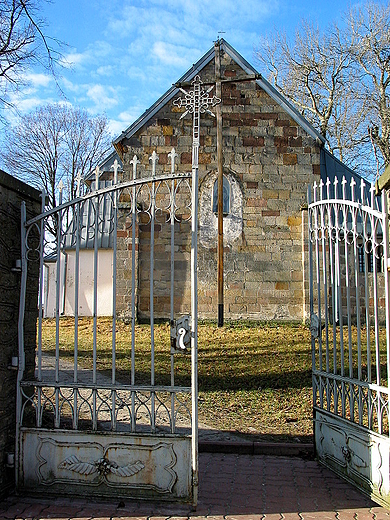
180	335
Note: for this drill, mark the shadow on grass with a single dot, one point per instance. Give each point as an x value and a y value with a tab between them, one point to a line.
297	379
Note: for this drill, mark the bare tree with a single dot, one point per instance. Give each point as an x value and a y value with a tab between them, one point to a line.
86	142
368	27
347	130
339	80
310	71
23	43
54	143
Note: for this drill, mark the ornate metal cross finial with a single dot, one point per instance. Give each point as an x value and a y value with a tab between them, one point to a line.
172	155
352	185
153	159
97	174
344	184
197	99
196	102
134	162
79	179
116	168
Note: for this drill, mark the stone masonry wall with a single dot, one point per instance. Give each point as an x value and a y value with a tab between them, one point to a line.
12	193
271	160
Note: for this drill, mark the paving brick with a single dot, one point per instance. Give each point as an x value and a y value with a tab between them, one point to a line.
244	517
379	513
346	514
242	487
130	517
319	515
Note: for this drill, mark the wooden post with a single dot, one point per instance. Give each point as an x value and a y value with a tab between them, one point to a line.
218	93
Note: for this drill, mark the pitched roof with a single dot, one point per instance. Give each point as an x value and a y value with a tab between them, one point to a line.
195	69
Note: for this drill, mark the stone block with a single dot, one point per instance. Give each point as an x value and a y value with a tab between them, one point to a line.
290	159
270	194
316	169
295	221
290	131
282	286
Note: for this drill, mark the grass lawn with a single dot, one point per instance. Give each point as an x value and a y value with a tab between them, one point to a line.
253	379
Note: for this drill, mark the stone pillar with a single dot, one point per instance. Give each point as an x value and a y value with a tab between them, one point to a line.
12	193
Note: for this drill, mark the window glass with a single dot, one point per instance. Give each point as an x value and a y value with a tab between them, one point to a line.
226	196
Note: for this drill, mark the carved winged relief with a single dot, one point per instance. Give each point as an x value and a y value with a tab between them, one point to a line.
101	466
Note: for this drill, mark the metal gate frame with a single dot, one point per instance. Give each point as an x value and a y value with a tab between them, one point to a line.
119	454
349	315
148	465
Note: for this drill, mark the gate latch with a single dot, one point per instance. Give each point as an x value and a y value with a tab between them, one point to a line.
315	327
180	335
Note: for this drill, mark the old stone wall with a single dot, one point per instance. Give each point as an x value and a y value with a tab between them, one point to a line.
12	193
269	161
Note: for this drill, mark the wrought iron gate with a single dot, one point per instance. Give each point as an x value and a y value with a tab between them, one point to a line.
130	433
349	308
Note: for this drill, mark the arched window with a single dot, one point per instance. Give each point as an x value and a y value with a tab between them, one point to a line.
226	196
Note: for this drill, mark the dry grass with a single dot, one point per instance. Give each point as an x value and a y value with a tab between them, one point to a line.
253	379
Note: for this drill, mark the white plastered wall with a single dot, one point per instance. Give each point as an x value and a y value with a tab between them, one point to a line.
86	284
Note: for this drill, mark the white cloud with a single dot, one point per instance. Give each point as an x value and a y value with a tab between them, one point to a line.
144	49
38	80
73	59
25	105
129	116
125	119
170	54
165	37
116	127
105	70
100	49
103	96
70	85
187	21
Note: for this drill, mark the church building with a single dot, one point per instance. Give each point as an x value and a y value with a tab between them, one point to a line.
270	156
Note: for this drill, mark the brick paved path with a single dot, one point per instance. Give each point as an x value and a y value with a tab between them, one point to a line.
232	487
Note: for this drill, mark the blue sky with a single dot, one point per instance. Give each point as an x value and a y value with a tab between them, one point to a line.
122	55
